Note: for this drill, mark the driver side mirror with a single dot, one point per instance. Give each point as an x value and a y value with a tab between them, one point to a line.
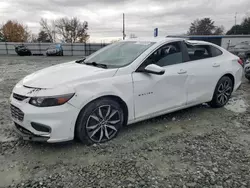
154	69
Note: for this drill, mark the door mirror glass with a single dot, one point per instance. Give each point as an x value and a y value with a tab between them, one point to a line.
154	69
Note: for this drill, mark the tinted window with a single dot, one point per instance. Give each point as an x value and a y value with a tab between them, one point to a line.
215	51
168	54
197	52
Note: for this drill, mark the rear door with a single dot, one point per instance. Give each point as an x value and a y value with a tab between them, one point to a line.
203	66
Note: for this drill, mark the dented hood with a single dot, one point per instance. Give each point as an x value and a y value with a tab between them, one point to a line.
65	74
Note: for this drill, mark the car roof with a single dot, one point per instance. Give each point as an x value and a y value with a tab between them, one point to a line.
167	39
154	39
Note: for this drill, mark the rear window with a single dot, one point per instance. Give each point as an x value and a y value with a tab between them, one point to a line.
215	51
197	52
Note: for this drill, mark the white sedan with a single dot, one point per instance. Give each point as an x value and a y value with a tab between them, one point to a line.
123	83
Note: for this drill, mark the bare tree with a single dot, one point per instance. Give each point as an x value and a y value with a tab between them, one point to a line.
49	29
72	30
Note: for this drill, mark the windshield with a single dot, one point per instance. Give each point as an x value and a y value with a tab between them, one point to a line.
119	54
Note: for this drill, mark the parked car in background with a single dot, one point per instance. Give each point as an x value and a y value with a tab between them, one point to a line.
55	50
123	83
242	50
22	50
247	68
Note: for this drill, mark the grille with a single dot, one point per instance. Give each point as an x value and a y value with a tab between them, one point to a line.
16	113
19	97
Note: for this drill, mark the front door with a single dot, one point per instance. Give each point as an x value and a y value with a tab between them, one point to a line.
153	93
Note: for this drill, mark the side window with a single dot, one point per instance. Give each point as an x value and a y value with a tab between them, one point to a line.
168	54
215	51
198	52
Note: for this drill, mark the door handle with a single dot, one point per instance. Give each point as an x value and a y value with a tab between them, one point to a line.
216	65
182	71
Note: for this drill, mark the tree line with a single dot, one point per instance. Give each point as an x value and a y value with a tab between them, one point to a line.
206	26
73	30
64	29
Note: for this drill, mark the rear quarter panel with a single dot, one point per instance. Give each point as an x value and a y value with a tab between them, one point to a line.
231	66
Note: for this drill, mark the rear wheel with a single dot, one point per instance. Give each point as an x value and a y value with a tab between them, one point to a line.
100	121
222	93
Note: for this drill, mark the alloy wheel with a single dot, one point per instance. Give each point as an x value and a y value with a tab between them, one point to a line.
224	92
103	123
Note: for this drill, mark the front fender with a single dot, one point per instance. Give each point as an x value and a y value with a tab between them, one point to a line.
120	86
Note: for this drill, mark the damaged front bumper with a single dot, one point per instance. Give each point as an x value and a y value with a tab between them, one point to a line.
27	135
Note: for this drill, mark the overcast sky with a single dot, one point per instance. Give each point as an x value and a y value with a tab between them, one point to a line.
142	16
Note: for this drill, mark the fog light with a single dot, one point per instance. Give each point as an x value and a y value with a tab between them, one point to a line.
41	127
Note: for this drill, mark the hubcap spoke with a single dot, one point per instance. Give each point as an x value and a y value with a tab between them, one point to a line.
220	88
228	93
225	96
226	84
95	131
222	99
100	113
108	112
93	126
112	114
101	135
95	118
114	121
228	89
112	127
106	132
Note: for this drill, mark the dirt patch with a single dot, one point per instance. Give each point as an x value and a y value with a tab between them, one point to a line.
195	147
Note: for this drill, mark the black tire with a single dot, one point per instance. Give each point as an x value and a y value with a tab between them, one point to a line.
90	123
248	77
222	92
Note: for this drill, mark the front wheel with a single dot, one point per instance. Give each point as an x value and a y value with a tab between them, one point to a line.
100	121
222	93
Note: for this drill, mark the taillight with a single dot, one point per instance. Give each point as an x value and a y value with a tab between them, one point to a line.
240	62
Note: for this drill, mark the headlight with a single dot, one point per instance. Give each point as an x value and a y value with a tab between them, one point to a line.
50	101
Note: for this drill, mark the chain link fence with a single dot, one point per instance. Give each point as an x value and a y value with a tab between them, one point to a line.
69	49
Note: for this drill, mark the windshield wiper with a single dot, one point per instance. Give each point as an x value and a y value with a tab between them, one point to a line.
96	64
80	60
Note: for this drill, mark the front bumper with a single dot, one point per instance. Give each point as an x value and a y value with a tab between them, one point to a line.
60	120
27	135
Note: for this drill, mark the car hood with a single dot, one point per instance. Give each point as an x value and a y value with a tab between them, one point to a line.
65	74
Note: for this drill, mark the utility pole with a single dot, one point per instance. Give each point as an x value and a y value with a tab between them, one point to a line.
235	17
123	30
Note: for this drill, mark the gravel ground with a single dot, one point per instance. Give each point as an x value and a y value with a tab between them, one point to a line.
196	147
